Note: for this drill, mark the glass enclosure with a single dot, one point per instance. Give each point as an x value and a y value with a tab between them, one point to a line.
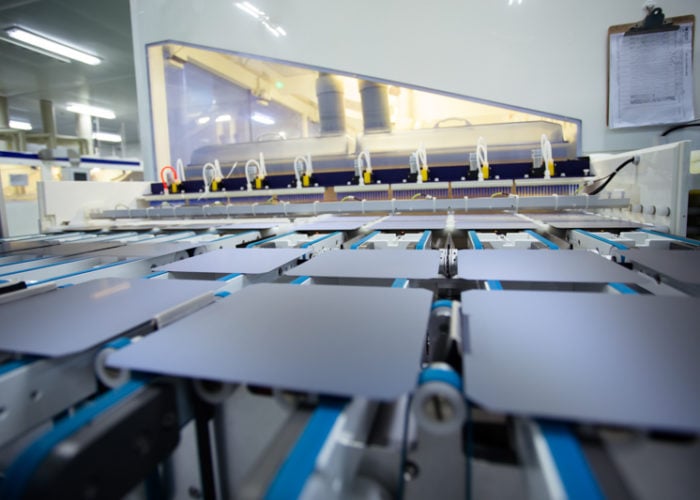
209	105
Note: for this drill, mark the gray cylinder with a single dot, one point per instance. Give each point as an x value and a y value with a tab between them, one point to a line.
331	104
4	113
375	107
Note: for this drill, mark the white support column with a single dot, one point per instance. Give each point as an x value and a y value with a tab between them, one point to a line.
159	108
83	129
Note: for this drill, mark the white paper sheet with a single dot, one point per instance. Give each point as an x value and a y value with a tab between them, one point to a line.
651	78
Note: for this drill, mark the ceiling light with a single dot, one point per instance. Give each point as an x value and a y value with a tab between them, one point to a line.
84	109
20	125
106	137
223	118
203	120
34	49
276	30
261	118
51	47
249	8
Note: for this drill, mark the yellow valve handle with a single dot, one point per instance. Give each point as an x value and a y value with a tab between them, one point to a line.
550	167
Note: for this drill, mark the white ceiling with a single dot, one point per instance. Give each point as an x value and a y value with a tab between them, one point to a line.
99	27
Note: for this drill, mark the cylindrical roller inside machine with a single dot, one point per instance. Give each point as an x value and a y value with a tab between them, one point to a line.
331	104
375	106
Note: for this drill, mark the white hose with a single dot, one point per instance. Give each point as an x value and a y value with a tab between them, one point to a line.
248	164
217	166
180	169
422	160
263	170
302	166
208	182
363	157
309	165
230	172
482	156
299	162
482	152
546	147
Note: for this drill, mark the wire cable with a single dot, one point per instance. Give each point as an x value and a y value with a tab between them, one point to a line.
598	185
694	123
230	172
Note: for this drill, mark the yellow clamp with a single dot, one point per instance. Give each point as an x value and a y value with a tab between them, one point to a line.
367	177
485	170
550	167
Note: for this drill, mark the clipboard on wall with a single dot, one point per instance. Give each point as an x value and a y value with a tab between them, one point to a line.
650	71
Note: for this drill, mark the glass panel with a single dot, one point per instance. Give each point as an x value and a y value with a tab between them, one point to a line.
217	105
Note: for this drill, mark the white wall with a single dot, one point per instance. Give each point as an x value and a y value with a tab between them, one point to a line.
545	55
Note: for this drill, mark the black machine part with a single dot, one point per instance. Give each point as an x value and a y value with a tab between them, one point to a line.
109	457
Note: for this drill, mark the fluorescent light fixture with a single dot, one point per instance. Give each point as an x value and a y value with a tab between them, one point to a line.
276	30
20	125
223	118
251	9
270	29
106	137
84	109
52	47
261	118
35	49
202	120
